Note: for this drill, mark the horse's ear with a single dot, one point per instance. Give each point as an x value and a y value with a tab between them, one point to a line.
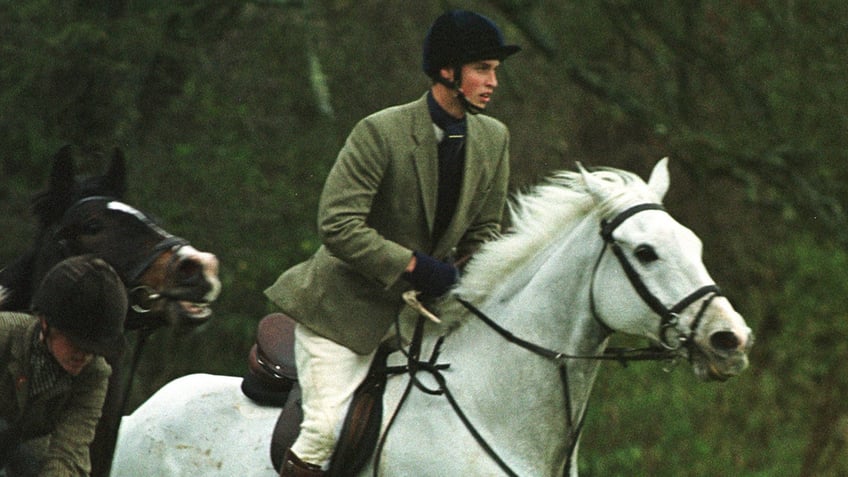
61	182
659	180
61	187
593	185
115	179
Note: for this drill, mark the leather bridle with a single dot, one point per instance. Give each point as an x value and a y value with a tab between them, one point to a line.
669	317
669	320
141	296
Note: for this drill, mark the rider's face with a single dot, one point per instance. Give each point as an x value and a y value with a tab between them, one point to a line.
479	80
72	358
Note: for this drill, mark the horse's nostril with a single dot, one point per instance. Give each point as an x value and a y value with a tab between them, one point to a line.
189	270
724	340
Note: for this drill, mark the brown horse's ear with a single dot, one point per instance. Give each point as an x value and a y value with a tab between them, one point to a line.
52	203
62	176
115	179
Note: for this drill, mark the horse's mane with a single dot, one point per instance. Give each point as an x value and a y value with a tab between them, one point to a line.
540	213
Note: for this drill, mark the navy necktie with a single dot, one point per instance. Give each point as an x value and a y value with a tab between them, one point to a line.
451	164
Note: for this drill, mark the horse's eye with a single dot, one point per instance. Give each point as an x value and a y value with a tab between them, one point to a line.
646	254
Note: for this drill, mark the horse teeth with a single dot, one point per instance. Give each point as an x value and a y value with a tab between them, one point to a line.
196	309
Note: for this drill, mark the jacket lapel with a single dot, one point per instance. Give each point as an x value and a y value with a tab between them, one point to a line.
476	164
425	158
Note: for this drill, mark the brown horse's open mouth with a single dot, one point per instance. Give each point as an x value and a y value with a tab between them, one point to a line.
195	312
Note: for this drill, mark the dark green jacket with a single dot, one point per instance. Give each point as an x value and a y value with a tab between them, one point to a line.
68	418
377	206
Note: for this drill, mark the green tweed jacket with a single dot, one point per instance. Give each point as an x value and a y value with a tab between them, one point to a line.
69	419
377	206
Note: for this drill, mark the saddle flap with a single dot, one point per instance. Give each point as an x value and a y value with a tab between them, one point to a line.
361	426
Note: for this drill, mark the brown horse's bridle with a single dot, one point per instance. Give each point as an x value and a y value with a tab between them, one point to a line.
141	296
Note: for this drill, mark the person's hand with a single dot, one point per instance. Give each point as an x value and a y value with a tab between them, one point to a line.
432	277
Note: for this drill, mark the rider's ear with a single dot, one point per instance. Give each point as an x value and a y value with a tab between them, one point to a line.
659	180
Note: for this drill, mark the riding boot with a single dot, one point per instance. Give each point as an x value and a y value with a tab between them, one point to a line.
294	467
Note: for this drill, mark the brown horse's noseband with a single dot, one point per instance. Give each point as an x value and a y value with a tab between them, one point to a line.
143	296
669	316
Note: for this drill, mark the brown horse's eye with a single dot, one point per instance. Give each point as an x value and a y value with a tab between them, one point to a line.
91	227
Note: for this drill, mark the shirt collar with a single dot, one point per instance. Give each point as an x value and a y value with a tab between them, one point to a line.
439	116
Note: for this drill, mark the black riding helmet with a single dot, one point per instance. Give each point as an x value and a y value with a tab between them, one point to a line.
84	298
460	37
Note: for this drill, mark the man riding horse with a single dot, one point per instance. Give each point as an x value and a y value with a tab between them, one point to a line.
413	185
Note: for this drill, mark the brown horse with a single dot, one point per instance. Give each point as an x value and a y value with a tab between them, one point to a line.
168	280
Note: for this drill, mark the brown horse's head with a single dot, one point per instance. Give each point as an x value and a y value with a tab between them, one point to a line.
168	280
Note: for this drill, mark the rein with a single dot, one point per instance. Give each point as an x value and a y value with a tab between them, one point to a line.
668	352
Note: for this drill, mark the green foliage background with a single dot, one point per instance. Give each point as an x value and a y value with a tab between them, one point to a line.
231	113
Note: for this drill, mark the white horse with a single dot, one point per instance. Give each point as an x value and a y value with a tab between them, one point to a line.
521	331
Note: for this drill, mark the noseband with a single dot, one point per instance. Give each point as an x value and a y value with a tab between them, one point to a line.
669	317
142	295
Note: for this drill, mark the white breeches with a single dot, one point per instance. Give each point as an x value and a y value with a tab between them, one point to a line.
328	373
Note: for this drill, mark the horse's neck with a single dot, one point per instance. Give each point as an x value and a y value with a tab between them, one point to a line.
547	301
20	276
552	310
16	278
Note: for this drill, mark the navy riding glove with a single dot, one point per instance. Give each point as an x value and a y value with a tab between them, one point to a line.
432	277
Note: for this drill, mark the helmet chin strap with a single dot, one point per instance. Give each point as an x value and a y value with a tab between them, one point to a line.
455	86
472	109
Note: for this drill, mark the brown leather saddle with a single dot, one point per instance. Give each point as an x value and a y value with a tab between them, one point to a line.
271	379
271	369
